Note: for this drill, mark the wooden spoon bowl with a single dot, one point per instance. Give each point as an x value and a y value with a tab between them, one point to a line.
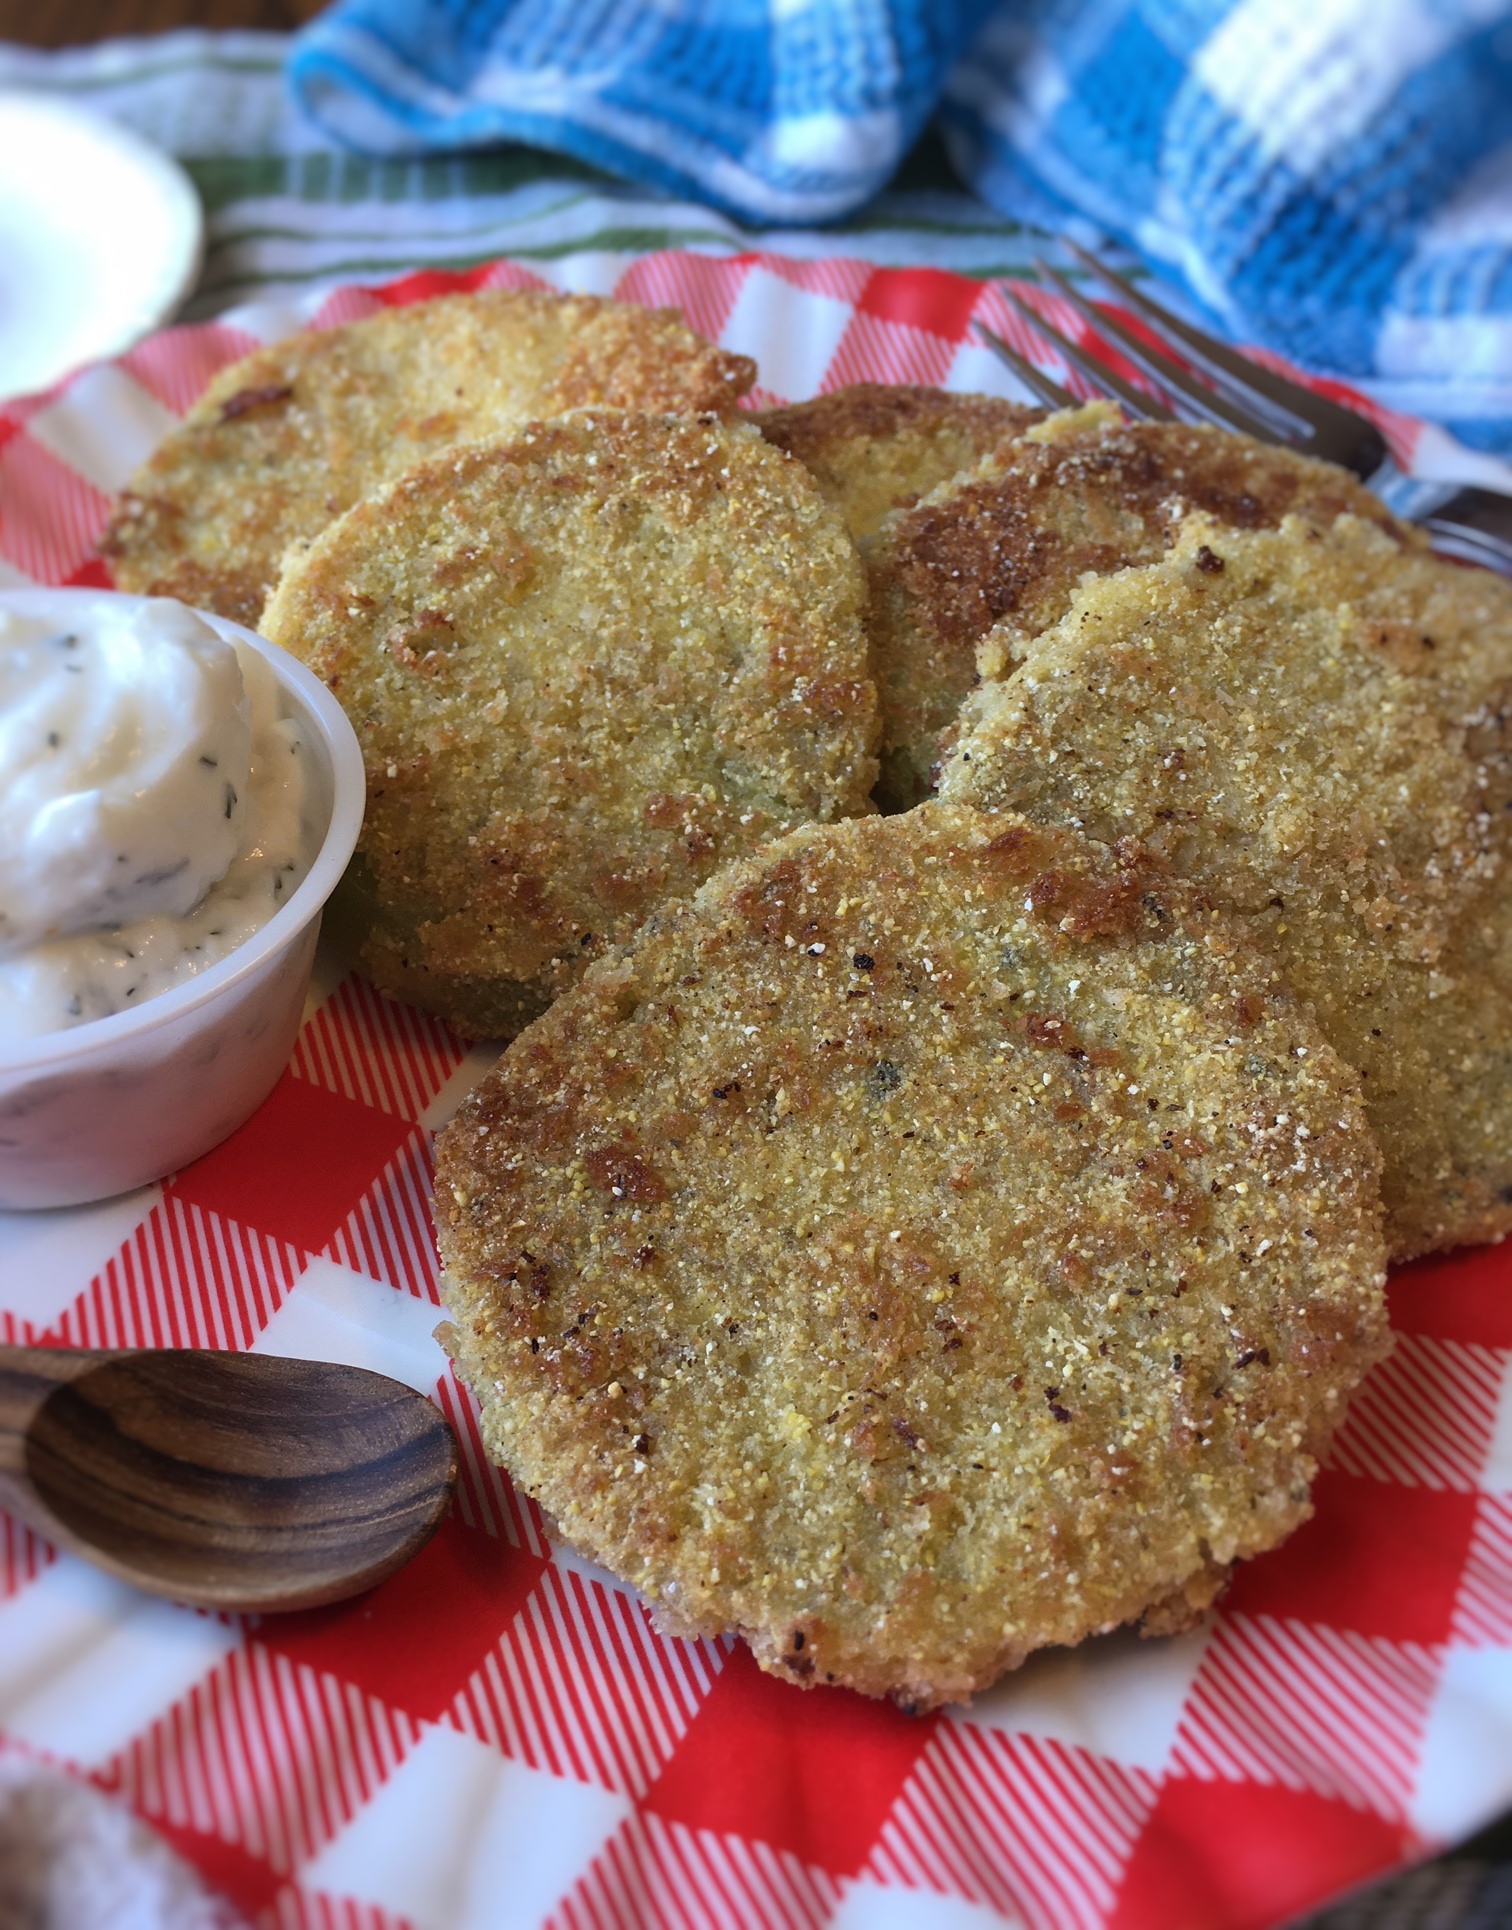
229	1481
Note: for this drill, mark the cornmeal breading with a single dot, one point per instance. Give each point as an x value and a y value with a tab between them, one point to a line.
877	445
1316	731
939	1240
585	666
1005	545
283	442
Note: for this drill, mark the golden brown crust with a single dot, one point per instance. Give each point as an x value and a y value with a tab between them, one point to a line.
585	666
1316	730
877	446
288	439
1006	544
938	1241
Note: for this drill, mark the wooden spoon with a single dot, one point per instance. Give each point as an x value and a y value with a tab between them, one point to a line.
230	1481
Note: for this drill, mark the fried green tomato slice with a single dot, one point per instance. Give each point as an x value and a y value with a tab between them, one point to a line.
938	1241
585	666
1002	547
1315	730
283	442
878	446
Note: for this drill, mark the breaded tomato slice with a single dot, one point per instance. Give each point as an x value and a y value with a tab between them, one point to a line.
1004	545
585	665
283	442
940	1240
1315	730
879	446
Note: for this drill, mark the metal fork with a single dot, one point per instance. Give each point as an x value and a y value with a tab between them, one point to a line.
1235	393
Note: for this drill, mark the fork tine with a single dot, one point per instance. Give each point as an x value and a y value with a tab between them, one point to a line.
1033	379
1298	415
1240	379
1103	380
1202	404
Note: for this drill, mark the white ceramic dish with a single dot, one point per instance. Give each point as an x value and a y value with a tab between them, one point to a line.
100	239
122	1101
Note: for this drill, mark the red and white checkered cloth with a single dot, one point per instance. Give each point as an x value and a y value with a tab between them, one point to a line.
497	1736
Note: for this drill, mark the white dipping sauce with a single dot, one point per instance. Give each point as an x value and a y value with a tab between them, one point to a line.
151	809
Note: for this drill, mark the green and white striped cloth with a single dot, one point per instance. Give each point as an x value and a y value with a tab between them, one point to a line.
288	210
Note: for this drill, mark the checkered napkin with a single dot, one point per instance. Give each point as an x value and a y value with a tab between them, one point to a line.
1333	177
778	110
497	1737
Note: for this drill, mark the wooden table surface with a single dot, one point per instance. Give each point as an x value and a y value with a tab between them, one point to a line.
69	23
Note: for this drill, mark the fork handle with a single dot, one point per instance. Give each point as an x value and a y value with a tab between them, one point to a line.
1475	525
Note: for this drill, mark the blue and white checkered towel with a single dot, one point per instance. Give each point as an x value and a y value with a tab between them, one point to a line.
1333	178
